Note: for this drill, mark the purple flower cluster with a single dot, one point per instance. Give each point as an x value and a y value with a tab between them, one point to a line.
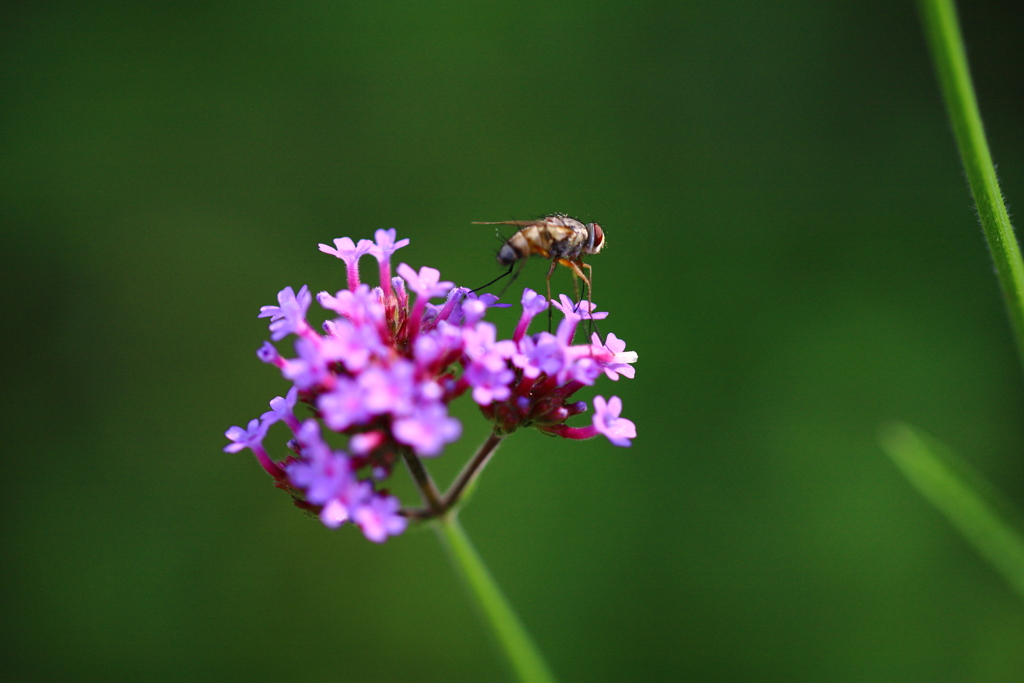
384	368
549	369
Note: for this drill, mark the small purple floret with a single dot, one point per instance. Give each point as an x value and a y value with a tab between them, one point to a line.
427	429
426	283
379	518
289	317
384	244
250	437
284	409
607	421
349	252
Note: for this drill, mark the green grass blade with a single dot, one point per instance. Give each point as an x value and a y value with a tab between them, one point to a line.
967	500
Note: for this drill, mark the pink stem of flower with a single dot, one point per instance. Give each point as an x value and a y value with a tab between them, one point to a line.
353	275
267	464
449	306
385	277
521	328
572	432
415	317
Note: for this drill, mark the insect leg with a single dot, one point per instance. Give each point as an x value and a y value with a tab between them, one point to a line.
577	273
505	288
590	292
496	279
590	283
551	270
575	266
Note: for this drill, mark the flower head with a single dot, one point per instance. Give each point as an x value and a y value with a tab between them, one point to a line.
383	368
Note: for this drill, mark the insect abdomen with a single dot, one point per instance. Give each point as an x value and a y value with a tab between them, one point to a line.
507	255
519	246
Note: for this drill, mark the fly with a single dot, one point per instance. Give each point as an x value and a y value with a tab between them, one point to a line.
560	238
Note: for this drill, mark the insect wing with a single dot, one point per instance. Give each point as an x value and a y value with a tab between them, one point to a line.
518	224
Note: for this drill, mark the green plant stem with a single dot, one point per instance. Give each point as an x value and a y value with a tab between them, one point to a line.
429	492
472	470
947	47
438	505
515	642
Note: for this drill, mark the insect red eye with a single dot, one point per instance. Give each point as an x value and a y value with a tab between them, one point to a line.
598	236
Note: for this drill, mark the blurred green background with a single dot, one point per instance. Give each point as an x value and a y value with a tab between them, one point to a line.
792	251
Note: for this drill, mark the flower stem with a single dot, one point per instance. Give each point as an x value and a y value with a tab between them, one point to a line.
946	42
438	505
431	496
472	469
524	657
